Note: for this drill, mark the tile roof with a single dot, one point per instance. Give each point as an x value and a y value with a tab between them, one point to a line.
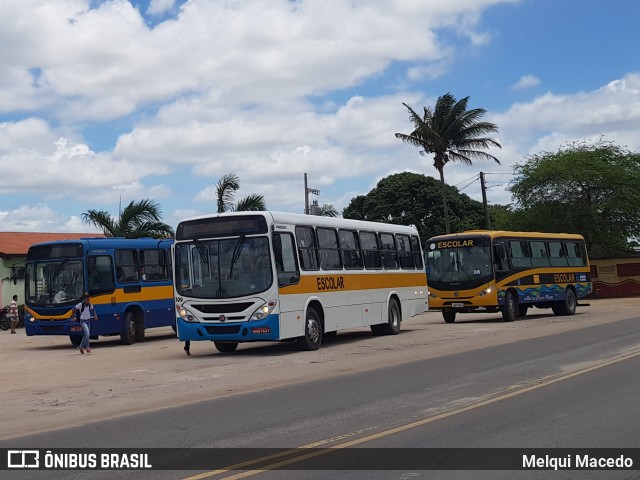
18	243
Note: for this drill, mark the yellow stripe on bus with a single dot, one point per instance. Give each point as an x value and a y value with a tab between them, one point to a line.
355	282
148	293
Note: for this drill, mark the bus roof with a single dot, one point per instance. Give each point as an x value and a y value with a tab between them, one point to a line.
315	220
109	242
506	233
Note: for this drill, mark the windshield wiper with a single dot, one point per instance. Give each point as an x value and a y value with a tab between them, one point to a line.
202	250
448	269
236	253
56	272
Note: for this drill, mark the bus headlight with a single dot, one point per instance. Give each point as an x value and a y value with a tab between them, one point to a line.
264	310
185	314
486	291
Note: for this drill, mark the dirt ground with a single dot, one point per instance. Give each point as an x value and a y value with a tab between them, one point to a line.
47	384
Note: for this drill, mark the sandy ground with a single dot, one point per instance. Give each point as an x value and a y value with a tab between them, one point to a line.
47	384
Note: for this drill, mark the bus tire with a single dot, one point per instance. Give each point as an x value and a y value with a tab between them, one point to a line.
129	327
226	347
509	308
522	309
394	318
140	331
76	340
449	315
312	337
568	305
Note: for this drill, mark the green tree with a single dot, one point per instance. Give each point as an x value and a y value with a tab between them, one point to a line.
452	134
138	219
414	199
587	188
226	189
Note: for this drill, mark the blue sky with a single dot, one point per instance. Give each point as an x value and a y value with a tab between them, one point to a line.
109	101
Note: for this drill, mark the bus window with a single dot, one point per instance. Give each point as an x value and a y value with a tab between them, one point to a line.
539	254
153	265
328	249
556	255
285	258
500	257
405	256
370	251
519	253
307	250
574	254
417	253
389	252
100	274
127	266
350	249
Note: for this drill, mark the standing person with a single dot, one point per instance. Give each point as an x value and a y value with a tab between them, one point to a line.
13	313
84	313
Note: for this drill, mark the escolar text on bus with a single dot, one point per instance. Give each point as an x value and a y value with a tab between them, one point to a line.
330	283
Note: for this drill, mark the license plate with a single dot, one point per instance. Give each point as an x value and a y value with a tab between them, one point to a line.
260	330
457	305
75	329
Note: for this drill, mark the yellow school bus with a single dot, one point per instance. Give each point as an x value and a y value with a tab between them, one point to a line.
507	272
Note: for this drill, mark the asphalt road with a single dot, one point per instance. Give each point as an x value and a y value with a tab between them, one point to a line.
577	389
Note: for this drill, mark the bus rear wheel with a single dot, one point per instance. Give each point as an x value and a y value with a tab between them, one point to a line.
226	347
509	308
566	306
129	329
76	340
312	337
449	315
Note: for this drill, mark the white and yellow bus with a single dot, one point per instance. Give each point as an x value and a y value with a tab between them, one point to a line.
269	276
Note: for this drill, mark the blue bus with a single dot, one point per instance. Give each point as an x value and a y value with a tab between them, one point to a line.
129	281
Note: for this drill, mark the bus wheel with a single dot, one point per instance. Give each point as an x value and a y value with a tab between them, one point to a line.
312	332
129	327
226	347
392	327
449	315
522	309
566	306
75	340
509	307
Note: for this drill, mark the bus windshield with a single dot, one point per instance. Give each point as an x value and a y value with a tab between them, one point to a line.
54	282
227	268
458	264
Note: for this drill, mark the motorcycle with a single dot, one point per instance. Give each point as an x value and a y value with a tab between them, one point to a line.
5	322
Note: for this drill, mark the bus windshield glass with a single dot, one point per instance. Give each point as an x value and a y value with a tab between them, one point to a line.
461	263
54	282
226	268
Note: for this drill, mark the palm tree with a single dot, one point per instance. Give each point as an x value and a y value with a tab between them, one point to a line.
451	133
226	188
328	210
138	219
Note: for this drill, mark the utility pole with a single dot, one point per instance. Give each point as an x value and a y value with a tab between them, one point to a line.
306	196
314	209
483	187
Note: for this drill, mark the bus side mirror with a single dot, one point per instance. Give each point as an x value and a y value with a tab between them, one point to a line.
286	278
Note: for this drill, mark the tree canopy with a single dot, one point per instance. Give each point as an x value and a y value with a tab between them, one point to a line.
587	188
414	199
452	134
136	220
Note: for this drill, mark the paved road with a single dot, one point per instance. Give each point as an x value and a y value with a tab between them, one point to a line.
573	389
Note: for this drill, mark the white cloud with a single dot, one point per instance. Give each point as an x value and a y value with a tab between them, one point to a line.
158	7
526	81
